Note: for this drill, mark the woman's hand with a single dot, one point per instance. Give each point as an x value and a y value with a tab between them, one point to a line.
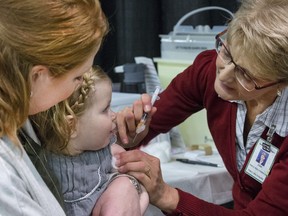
147	170
128	118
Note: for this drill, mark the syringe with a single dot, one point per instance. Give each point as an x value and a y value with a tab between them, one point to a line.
141	125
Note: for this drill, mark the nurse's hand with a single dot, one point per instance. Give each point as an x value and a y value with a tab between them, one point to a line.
129	117
146	168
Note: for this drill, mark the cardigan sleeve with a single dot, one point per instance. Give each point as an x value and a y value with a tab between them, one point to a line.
191	205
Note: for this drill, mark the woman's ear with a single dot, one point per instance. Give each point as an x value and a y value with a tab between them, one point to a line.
71	121
38	75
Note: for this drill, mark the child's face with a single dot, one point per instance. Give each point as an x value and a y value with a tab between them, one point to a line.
95	126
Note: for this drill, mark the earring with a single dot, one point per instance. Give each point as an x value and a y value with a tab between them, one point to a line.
279	93
31	94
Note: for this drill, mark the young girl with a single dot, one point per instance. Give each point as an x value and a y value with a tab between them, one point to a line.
80	139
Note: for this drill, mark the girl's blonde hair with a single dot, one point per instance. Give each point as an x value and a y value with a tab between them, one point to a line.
59	34
53	126
259	34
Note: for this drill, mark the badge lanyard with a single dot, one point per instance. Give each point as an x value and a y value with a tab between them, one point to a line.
272	128
263	155
267	145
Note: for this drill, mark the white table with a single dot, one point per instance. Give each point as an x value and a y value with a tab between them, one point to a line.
212	184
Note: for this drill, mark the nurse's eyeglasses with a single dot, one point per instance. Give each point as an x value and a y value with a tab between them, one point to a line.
242	76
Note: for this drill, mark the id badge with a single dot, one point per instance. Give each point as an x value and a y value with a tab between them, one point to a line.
261	161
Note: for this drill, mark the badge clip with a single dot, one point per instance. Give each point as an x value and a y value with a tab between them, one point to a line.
267	145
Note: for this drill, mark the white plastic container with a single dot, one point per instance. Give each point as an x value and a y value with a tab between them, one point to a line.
186	42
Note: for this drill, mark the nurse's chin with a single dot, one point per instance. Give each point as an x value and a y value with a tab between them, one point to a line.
225	92
224	95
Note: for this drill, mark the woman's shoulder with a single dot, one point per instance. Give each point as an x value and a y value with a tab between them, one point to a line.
205	58
9	150
11	181
207	53
202	70
203	65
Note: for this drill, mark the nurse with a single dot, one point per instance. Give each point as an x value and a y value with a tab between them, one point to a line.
243	86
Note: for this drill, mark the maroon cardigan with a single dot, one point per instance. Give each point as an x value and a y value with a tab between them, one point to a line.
193	90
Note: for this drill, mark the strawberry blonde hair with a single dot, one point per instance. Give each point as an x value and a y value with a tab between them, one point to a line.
59	34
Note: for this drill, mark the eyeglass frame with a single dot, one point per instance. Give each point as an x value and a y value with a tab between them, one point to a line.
256	86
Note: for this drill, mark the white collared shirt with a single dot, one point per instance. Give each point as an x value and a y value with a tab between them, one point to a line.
276	114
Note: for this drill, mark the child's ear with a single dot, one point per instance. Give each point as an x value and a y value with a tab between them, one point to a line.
71	122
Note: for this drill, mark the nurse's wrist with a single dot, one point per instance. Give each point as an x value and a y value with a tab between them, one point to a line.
169	199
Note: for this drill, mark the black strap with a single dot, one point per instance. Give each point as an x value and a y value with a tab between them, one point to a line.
36	153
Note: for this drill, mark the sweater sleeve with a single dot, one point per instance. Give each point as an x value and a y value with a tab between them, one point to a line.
14	199
191	205
23	192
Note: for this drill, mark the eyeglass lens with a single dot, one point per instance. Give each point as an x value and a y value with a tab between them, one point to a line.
243	78
222	52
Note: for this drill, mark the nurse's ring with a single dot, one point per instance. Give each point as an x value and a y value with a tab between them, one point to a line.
148	172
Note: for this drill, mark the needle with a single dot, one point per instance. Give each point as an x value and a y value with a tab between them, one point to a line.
141	126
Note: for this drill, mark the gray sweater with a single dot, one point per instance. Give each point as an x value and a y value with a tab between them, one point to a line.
83	178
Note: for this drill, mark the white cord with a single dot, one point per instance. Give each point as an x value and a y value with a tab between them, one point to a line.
197	11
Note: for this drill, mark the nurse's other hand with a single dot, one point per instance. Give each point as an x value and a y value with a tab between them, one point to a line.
146	168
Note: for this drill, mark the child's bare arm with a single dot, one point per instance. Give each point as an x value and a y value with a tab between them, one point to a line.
142	197
119	198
